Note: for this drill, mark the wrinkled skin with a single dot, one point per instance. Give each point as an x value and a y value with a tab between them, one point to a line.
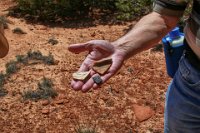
98	49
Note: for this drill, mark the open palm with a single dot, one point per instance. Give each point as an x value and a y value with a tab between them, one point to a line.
98	49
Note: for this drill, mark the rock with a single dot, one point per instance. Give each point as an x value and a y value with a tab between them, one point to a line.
81	75
18	31
142	113
102	66
160	108
45	111
97	79
45	102
53	41
61	101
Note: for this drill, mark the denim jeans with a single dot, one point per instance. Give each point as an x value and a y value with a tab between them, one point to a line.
182	109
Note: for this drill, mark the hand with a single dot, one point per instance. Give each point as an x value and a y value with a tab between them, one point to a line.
98	49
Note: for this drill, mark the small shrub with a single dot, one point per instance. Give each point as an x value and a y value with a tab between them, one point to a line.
49	60
130	9
37	55
2	79
85	128
45	90
157	48
81	129
11	67
53	41
49	10
18	31
3	92
4	21
22	59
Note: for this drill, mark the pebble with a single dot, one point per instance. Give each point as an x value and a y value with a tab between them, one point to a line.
45	111
61	101
97	79
142	113
45	102
18	31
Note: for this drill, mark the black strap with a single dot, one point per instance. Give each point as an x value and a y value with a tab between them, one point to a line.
191	56
170	4
196	6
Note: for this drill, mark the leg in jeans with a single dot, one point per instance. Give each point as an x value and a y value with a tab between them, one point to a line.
182	112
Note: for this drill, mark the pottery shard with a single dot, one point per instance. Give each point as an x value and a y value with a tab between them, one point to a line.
143	113
80	75
102	66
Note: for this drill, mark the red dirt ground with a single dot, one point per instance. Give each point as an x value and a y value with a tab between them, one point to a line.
141	81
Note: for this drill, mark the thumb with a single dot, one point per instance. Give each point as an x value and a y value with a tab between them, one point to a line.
80	47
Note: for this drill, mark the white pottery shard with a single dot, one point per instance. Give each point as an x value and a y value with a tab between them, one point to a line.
80	75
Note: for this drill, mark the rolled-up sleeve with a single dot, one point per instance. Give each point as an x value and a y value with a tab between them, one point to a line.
170	7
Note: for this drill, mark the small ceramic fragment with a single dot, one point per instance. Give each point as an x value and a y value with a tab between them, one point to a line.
102	66
80	75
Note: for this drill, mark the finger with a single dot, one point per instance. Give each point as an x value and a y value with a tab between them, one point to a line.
86	65
77	85
111	72
104	79
77	48
89	84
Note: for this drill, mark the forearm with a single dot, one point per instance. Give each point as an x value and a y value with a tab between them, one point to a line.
145	34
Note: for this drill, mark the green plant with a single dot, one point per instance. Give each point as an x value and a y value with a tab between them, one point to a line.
11	67
45	90
18	31
2	78
129	9
56	10
22	59
82	129
49	60
37	55
3	92
4	21
53	41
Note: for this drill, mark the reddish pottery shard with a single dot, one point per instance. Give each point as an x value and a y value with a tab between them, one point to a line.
102	66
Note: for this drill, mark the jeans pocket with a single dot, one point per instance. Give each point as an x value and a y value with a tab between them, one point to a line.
189	74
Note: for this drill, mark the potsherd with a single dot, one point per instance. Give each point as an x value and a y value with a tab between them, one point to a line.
102	66
81	75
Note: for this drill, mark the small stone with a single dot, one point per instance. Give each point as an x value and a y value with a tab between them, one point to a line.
102	66
18	31
81	75
97	79
45	111
142	113
61	101
53	41
45	102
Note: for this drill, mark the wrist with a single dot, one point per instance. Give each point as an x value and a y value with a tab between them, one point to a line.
119	49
